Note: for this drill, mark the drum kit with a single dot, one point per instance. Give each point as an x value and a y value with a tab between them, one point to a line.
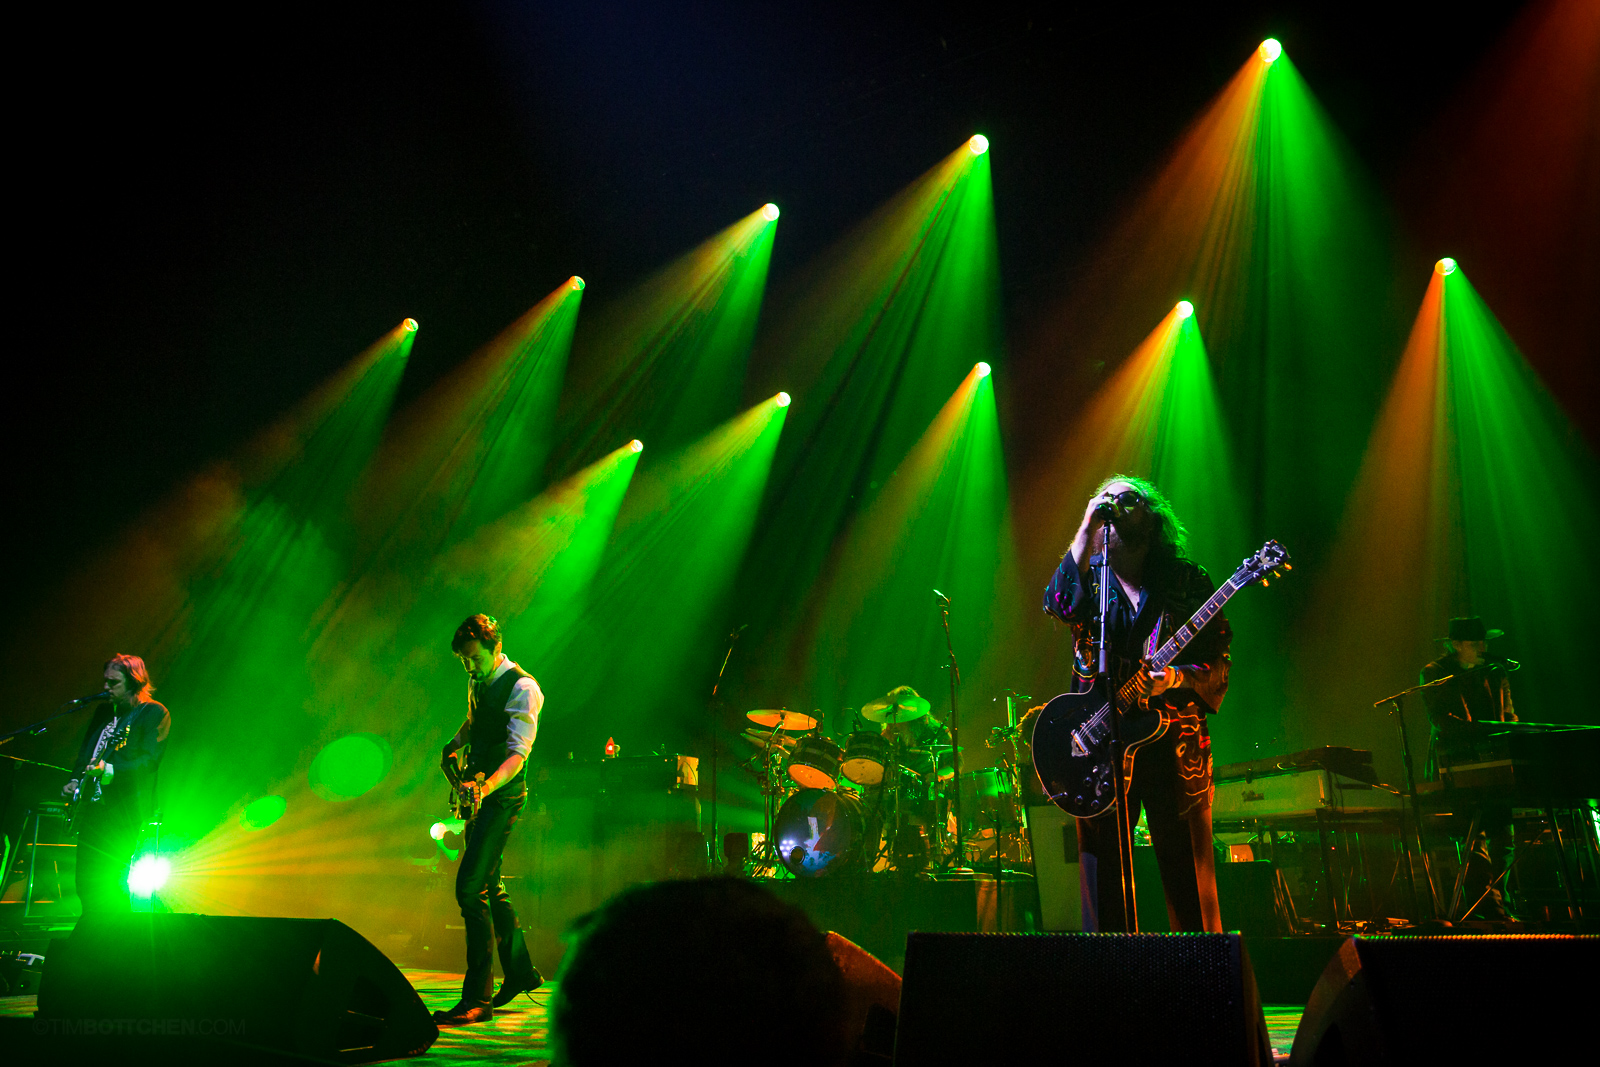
881	801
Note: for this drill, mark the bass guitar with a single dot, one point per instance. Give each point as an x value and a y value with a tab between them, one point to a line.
89	787
1072	737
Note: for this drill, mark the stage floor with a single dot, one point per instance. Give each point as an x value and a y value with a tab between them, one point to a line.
519	1034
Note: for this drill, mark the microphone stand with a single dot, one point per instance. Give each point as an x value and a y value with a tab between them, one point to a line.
1411	794
40	727
1130	907
714	849
959	857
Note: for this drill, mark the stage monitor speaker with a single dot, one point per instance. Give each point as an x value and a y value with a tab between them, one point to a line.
1087	998
306	987
1403	1000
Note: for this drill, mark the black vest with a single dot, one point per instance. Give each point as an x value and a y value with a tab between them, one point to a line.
487	724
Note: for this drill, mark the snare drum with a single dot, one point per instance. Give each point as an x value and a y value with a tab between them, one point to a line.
866	754
814	763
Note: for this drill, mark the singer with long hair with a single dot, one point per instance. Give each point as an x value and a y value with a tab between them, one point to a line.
114	787
1157	589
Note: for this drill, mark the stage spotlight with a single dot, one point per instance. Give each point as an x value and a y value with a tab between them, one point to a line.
782	399
149	873
1445	266
979	144
1270	50
1184	309
575	281
410	325
771	212
636	445
982	368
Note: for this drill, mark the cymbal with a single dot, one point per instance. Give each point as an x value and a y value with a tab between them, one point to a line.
763	740
783	719
902	707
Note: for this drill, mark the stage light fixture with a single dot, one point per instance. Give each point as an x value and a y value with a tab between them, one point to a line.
446	826
636	445
149	873
782	399
771	212
575	281
1445	266
982	368
1270	50
410	325
979	144
1184	309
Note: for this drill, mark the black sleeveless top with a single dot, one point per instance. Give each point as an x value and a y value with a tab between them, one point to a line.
488	726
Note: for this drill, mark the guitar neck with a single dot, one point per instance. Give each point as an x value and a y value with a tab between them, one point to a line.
1197	622
1185	633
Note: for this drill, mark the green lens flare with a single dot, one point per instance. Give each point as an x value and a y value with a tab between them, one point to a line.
260	814
350	767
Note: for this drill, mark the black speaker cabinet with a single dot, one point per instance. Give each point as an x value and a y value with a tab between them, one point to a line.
304	987
1404	1000
1083	998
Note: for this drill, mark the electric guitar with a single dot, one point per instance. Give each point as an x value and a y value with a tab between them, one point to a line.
1072	750
88	790
464	802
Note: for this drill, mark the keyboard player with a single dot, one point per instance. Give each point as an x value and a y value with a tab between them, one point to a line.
1479	691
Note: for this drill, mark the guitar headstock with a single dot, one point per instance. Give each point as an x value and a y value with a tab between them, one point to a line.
1272	560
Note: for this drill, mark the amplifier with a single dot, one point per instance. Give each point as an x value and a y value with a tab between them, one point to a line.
1296	793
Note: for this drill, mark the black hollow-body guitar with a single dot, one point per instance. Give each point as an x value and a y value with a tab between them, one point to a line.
1072	737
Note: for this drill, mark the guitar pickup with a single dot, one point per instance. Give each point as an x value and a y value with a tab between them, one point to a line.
1077	745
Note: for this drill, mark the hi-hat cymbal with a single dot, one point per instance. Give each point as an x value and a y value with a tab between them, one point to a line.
764	740
896	707
783	719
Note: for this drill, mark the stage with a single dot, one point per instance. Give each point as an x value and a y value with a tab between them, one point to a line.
520	1034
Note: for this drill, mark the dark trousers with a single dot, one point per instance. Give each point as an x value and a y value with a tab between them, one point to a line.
1180	831
490	919
107	835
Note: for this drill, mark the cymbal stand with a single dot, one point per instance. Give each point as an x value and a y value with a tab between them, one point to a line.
771	782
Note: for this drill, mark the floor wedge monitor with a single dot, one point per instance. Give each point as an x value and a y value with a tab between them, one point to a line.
1079	998
302	987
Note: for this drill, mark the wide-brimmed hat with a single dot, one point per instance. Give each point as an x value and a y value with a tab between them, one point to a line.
1470	628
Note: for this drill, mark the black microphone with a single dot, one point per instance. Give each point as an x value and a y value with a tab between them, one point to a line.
104	694
1105	510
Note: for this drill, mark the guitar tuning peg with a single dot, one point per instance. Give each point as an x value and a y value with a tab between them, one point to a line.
1288	566
1264	583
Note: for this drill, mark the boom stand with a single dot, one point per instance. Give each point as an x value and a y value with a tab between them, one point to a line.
960	855
1411	795
1130	907
714	852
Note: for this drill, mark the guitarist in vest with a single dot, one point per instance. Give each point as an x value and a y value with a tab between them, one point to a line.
1156	591
503	704
133	727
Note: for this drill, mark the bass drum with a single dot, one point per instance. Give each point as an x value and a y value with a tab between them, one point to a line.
821	832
